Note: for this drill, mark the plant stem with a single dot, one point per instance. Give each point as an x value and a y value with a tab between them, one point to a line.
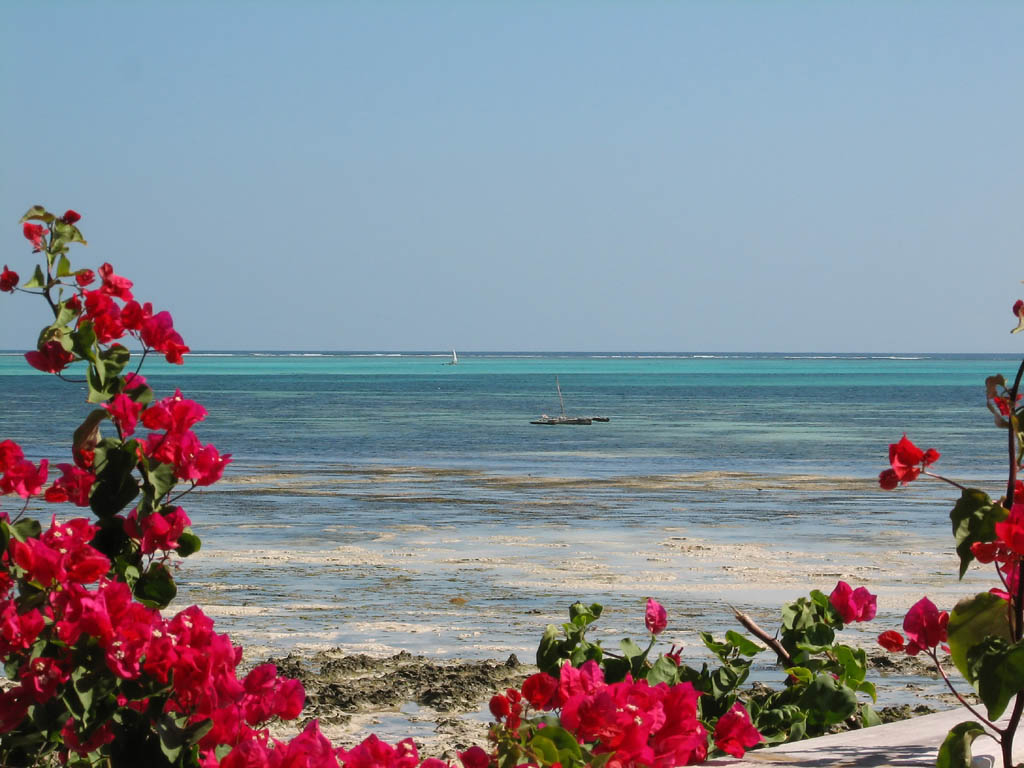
1018	604
1011	483
944	479
981	718
764	637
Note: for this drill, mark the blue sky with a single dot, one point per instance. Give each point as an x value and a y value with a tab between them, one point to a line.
684	176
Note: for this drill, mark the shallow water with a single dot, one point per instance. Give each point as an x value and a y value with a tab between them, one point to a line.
381	503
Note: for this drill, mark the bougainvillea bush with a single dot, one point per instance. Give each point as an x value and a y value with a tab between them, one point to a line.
983	633
621	708
99	675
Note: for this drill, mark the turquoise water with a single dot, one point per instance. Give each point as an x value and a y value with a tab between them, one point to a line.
830	415
383	501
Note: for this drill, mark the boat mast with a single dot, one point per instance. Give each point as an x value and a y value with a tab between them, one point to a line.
561	404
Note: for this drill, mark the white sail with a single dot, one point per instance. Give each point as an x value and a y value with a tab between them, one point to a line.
455	358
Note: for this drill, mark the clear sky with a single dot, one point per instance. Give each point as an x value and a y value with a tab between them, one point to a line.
675	176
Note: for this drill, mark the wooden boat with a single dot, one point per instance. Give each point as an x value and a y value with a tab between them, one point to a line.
552	421
455	358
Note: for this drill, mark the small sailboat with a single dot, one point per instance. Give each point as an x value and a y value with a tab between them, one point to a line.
563	419
455	358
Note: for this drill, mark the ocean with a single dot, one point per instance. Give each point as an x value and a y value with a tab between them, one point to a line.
387	501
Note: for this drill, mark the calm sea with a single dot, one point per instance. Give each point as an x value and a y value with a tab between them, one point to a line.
386	501
821	414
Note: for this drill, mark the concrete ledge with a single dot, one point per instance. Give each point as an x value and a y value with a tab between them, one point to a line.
913	742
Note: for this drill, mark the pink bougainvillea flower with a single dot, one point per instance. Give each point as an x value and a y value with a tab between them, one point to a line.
573	681
113	284
70	217
925	626
655	617
34	233
134	315
888	479
18	631
986	552
24	478
907	461
159	530
853	604
1018	311
75	485
158	333
475	757
675	655
1011	530
734	733
105	315
134	381
8	280
10	453
124	412
891	640
499	706
85	277
104	734
541	691
50	358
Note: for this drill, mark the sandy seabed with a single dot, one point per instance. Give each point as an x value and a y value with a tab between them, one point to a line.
418	621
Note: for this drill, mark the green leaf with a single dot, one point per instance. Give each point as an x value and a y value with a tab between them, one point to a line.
868	716
827	702
974	518
544	748
64	316
38	213
83	687
854	663
556	744
68	233
584	652
115	484
664	670
156	588
615	670
629	648
99	392
551	651
162	479
114	360
802	674
87	435
38	279
26	529
998	671
582	615
63	267
170	729
868	688
743	644
972	620
955	751
188	543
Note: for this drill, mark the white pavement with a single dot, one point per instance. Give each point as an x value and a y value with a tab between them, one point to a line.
913	742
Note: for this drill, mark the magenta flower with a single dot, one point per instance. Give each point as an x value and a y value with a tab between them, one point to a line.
655	618
925	626
853	604
34	233
734	733
8	280
50	358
